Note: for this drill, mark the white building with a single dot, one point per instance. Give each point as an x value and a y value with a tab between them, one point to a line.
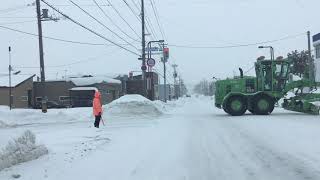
316	44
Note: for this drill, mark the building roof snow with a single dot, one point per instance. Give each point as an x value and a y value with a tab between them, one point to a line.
87	81
84	89
15	80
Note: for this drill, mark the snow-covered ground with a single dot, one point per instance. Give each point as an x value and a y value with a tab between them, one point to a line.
188	140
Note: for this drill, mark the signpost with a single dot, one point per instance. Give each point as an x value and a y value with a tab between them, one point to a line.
151	62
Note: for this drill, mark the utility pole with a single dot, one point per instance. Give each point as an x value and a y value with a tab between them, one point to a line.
42	72
180	86
143	66
42	17
164	59
311	63
10	88
175	75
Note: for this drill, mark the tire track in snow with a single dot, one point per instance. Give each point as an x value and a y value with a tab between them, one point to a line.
274	162
225	162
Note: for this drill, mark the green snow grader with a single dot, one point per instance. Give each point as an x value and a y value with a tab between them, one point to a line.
274	80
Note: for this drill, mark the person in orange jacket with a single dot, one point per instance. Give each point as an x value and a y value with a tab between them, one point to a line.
97	108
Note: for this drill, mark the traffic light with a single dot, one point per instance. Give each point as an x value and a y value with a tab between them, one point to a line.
166	53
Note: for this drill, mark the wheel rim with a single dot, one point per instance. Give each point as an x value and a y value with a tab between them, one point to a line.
236	105
263	104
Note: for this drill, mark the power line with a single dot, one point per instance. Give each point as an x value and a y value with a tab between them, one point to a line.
249	70
157	71
19	22
88	29
156	14
110	19
131	9
88	5
149	27
237	46
12	17
16	8
86	12
135	4
119	14
69	64
58	39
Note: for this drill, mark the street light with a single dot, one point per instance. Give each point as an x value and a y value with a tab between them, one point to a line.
10	79
271	51
149	46
149	57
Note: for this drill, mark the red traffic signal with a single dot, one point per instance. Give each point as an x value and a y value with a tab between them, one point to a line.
166	53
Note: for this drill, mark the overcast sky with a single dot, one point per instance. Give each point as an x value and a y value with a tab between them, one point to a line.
185	22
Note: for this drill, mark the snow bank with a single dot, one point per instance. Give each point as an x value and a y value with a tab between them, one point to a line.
134	105
3	125
20	150
22	117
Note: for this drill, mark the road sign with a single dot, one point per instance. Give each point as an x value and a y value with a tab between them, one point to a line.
143	68
154	49
151	62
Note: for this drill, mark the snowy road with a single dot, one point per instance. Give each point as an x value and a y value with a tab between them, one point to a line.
193	141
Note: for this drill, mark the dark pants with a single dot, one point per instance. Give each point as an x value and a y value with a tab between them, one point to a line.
97	121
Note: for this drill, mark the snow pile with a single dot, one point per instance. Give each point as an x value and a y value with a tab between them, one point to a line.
317	103
20	150
160	105
22	117
3	125
133	105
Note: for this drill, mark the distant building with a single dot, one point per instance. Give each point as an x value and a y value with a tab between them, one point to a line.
134	85
56	91
109	88
169	92
316	44
77	91
82	96
22	87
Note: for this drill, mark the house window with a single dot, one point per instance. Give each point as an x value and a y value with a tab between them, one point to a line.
318	51
38	99
24	98
64	98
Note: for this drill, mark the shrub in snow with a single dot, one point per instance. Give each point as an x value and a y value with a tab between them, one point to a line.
20	150
133	105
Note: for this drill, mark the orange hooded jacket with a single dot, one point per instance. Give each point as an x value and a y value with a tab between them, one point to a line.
97	107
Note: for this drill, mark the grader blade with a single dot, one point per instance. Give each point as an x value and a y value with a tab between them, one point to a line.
304	104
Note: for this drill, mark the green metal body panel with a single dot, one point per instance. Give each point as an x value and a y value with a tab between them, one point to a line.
228	87
272	79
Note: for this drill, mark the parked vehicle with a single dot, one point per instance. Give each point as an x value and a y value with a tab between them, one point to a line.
51	105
